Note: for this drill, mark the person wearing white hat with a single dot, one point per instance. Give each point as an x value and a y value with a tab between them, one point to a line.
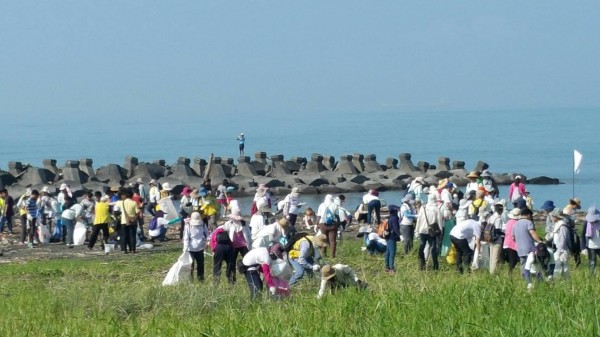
143	192
407	218
516	191
493	249
271	234
242	139
592	234
416	188
562	233
291	208
239	235
195	239
22	206
153	197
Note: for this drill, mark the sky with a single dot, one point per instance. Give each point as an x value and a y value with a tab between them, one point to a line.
169	59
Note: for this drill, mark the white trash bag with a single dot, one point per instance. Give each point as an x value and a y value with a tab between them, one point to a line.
282	269
44	234
79	234
180	271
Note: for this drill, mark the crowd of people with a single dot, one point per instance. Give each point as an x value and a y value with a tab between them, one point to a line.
475	229
472	229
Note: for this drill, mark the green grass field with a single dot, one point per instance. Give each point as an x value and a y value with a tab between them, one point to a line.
124	297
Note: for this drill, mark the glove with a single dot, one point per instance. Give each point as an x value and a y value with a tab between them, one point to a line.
272	290
316	267
529	286
287	217
550	278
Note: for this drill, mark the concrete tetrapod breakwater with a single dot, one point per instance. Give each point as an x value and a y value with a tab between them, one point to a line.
317	174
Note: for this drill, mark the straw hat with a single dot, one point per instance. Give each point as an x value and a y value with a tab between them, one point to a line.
443	183
327	272
473	174
195	219
320	240
283	222
575	201
515	213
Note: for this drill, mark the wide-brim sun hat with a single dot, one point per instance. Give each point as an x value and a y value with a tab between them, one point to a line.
152	182
166	187
575	201
408	199
63	187
515	213
485	174
593	215
195	219
443	183
320	240
327	272
283	222
187	191
548	206
45	189
557	213
473	174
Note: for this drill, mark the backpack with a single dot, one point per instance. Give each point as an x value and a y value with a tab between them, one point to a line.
295	238
488	233
383	229
329	217
153	224
573	241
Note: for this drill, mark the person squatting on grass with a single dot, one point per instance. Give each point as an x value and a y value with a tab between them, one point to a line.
195	236
304	256
338	276
539	262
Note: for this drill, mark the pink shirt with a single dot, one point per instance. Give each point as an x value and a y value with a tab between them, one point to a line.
509	241
238	240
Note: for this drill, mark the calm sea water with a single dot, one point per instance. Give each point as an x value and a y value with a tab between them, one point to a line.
531	142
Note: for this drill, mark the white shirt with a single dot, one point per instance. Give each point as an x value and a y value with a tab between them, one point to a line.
256	256
376	237
467	230
344	276
333	208
367	198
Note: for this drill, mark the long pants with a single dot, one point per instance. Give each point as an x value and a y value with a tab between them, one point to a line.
592	257
375	246
299	270
464	253
128	238
95	231
513	259
223	253
432	241
69	226
374	205
390	254
407	232
242	251
562	264
255	284
198	260
33	230
24	232
331	233
8	222
495	250
151	208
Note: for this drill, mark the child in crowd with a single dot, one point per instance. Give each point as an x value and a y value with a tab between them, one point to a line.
539	262
310	220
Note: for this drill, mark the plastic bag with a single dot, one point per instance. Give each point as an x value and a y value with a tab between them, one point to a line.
451	257
180	271
44	234
79	234
281	269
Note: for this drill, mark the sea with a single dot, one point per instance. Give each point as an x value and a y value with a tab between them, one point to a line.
532	142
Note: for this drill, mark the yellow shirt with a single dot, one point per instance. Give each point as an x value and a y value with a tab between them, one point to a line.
1	206
128	207
101	215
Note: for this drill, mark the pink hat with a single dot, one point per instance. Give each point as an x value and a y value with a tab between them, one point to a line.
186	191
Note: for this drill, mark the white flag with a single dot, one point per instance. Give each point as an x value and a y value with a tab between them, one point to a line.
577	157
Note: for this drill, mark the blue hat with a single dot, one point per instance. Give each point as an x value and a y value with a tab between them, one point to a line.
548	205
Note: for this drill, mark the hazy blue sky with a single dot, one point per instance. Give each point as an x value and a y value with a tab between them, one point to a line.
173	58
